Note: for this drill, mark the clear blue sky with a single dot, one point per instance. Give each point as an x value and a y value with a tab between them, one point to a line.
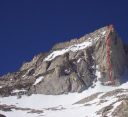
28	27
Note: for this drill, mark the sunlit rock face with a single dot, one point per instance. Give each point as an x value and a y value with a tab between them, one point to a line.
71	66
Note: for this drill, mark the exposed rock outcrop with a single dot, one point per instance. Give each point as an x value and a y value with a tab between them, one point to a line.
122	109
70	66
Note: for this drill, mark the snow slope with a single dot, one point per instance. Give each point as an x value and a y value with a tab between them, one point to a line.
66	104
62	105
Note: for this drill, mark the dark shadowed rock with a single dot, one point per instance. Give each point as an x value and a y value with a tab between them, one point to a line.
2	115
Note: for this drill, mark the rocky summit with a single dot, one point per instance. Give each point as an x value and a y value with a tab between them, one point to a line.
91	71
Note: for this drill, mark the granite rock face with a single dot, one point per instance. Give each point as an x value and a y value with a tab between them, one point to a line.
70	66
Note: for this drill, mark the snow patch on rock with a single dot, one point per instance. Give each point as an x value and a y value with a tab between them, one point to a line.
17	91
38	80
74	48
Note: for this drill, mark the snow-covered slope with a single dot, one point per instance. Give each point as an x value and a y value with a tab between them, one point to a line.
90	103
73	104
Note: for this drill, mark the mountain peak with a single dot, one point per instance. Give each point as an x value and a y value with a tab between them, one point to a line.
73	66
100	32
93	66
